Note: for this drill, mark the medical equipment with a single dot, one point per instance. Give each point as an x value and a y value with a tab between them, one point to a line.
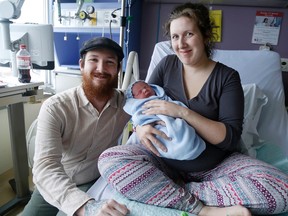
78	15
9	9
37	37
39	40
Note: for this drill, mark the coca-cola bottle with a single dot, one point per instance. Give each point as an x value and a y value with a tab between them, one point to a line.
23	60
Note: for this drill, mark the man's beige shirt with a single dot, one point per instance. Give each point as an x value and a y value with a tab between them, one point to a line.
71	135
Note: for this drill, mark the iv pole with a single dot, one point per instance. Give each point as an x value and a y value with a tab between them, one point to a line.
121	39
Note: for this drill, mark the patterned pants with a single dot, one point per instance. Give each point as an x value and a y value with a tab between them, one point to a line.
239	179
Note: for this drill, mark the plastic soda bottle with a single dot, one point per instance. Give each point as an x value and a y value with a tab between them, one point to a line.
23	60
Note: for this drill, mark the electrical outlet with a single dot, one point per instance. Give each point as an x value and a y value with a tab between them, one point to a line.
284	64
104	17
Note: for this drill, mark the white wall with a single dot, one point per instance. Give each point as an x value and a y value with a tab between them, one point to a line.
5	153
31	112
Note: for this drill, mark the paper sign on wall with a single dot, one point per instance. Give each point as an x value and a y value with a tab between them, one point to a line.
216	16
267	27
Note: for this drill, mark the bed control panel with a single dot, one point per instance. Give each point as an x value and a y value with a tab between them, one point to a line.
284	64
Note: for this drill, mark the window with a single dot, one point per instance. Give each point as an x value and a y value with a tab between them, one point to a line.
32	15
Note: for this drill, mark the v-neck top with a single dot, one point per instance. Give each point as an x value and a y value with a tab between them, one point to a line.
221	99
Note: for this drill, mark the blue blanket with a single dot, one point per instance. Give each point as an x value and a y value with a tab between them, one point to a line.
185	144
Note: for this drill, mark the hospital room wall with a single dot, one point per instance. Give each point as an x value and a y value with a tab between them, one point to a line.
31	111
237	29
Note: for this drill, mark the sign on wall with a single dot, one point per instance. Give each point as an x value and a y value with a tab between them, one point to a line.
216	16
267	27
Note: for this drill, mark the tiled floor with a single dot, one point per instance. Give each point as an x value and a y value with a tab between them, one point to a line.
7	193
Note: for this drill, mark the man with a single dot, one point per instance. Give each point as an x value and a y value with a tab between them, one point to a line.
74	128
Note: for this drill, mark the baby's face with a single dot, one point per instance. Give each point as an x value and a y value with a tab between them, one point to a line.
142	90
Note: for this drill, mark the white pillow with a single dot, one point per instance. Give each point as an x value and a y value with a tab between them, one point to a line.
264	69
255	99
30	140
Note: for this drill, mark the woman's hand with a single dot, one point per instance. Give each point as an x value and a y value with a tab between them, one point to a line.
156	107
147	136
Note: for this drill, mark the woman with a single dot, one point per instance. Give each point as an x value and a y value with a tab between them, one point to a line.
220	181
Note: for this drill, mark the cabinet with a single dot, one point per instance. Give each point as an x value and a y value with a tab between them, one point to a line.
66	79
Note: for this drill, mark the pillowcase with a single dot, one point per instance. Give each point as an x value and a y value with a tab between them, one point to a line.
255	99
30	141
264	69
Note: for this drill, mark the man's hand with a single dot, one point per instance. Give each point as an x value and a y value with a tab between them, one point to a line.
109	208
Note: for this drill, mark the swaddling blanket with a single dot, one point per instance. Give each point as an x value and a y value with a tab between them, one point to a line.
185	143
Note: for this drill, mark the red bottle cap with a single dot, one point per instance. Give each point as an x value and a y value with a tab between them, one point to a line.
22	46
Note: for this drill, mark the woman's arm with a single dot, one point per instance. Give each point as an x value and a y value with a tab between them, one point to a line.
212	131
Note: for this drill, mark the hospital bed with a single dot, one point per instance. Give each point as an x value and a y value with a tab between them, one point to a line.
265	129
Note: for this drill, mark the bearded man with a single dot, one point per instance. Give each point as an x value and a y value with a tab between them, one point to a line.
74	128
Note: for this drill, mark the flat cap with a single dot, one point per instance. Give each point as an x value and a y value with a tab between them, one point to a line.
102	42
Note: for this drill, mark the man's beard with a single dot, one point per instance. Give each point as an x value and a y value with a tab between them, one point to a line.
100	91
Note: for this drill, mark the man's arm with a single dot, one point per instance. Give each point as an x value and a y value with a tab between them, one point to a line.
49	175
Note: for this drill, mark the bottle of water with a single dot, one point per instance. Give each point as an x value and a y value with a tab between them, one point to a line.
23	60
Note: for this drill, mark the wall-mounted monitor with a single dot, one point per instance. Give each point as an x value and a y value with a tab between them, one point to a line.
39	40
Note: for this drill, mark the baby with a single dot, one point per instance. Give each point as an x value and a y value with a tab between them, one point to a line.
185	143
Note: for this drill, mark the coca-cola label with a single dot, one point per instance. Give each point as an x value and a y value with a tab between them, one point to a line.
23	61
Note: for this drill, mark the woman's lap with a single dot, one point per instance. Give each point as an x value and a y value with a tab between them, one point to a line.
137	175
239	179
